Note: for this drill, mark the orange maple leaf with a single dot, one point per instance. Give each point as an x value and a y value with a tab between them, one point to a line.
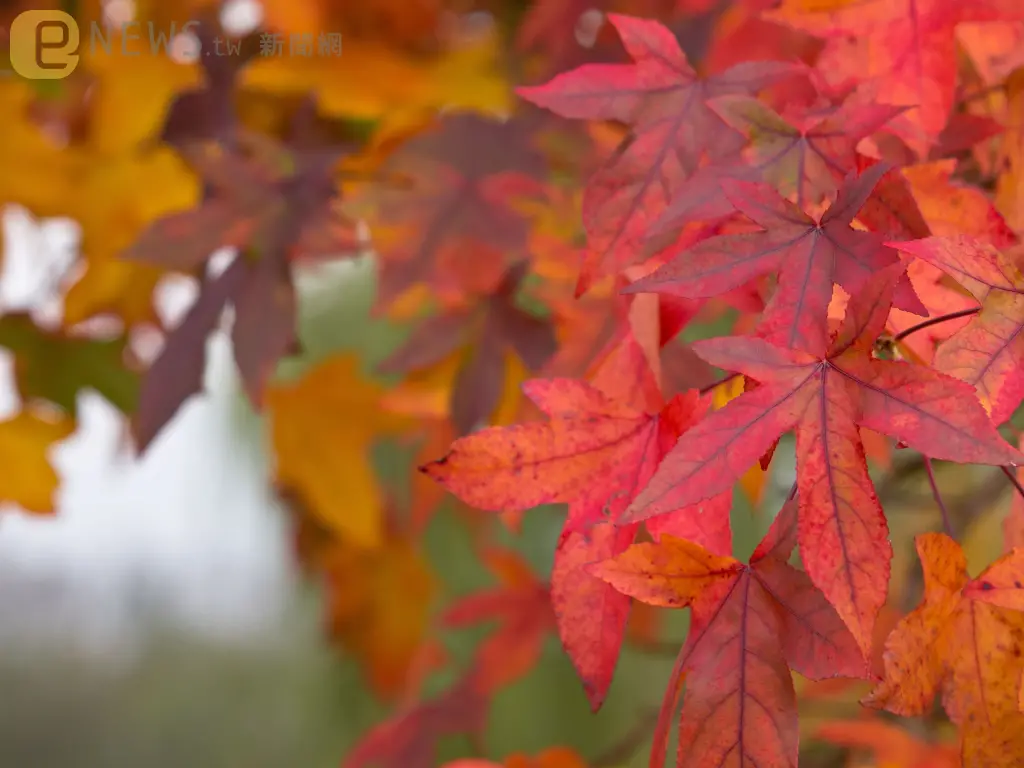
966	642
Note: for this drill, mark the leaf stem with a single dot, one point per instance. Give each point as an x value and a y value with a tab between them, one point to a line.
947	522
935	321
1013	479
964	98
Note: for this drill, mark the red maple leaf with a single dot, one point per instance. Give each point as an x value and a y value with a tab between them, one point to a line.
466	172
807	154
907	46
663	101
601	443
843	532
750	624
522	605
891	209
408	739
989	352
809	255
273	217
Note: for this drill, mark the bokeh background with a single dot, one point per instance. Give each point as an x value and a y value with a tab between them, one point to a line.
161	617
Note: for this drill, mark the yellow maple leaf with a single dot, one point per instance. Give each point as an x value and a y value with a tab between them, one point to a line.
321	427
112	214
96	179
132	92
38	172
25	442
131	99
371	80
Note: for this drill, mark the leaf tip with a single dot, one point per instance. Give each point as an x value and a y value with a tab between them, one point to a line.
595	695
582	285
432	468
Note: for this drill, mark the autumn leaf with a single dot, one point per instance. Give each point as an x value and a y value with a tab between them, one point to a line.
129	103
591	616
959	643
115	154
664	102
892	209
810	256
273	216
378	607
113	216
828	189
989	352
427	393
750	624
465	175
522	605
321	427
953	208
943	300
908	48
39	173
1010	187
500	327
589	450
602	441
26	442
408	739
890	745
372	80
843	532
809	154
1002	584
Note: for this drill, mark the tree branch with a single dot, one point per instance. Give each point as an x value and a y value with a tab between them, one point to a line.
946	521
1013	479
935	321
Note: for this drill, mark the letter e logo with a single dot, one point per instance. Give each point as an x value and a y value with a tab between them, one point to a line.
44	45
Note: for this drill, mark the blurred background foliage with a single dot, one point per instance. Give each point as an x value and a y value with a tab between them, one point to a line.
98	148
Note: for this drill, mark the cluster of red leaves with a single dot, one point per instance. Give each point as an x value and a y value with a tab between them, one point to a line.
840	182
791	182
